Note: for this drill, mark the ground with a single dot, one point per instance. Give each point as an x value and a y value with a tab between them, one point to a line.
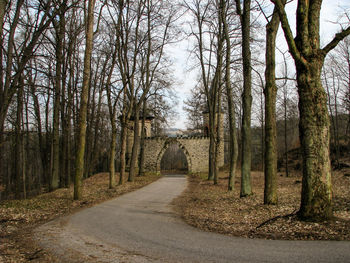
18	218
204	205
212	208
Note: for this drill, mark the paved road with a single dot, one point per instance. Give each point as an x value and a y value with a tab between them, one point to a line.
141	227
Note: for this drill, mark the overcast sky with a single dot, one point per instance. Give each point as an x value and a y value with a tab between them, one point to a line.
331	13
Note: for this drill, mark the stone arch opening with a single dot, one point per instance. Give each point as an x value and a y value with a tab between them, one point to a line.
174	160
166	145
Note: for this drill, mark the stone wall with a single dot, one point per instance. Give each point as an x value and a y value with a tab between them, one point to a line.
196	150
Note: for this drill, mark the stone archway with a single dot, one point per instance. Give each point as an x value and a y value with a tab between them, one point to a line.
196	150
167	143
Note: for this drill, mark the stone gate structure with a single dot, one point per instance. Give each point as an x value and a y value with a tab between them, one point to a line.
195	148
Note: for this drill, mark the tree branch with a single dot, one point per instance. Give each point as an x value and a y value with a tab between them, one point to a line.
288	32
338	37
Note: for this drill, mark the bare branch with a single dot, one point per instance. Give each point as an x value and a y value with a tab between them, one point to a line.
338	37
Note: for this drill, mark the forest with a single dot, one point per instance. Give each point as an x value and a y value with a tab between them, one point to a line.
74	74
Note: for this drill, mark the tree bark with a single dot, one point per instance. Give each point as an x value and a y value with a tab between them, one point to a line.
246	188
112	116
123	138
79	165
233	149
135	147
316	196
112	153
142	141
285	133
19	183
3	4
60	31
270	92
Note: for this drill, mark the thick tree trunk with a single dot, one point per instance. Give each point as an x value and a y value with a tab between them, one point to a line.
246	188
316	198
270	91
79	164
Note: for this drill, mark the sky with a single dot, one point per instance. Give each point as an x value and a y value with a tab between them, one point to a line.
185	79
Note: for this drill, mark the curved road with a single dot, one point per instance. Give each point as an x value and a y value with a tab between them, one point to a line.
141	227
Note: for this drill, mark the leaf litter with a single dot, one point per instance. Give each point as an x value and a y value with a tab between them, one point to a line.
213	208
18	218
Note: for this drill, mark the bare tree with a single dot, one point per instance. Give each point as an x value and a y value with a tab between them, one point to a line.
83	104
270	91
246	188
316	197
233	148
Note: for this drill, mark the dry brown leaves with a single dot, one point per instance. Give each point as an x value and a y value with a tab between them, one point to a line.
212	208
19	217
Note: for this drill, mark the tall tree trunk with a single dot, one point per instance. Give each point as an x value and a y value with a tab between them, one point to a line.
246	188
19	183
26	177
218	141
270	92
112	154
5	93
286	135
60	31
336	125
332	116
233	149
3	4
123	139
348	102
68	117
262	132
316	195
135	147
316	201
212	121
218	88
79	165
142	141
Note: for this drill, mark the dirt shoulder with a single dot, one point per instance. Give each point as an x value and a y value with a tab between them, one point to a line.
212	208
18	218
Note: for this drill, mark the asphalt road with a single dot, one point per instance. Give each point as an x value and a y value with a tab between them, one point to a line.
141	227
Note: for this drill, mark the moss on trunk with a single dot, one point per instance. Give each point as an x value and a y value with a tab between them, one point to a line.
316	199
